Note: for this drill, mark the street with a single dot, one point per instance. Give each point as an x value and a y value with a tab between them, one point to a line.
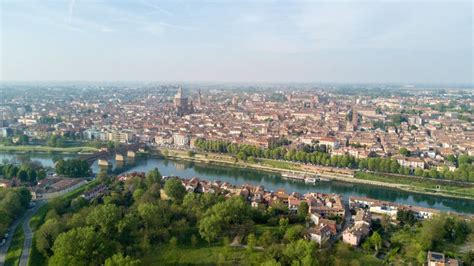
25	253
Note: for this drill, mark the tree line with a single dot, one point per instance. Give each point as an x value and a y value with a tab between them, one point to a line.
73	168
26	172
143	218
134	219
13	202
318	155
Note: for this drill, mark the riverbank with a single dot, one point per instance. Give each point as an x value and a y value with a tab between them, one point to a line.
46	149
430	187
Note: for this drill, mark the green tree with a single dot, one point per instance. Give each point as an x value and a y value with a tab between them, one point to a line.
405	216
404	151
251	242
41	174
173	242
301	252
266	239
194	240
32	175
153	177
303	209
175	189
294	233
229	218
46	235
23	175
120	260
376	241
79	246
104	217
241	156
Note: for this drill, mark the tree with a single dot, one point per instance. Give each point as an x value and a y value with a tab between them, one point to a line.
72	168
79	246
303	209
175	189
32	175
404	151
266	239
225	218
46	235
173	242
153	177
283	224
301	252
23	175
241	156
194	240
210	227
405	216
104	217
102	175
119	260
376	241
251	242
137	194
294	233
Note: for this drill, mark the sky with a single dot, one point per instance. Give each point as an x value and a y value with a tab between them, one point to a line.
237	41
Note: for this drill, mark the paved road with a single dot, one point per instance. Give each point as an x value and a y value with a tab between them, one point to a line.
4	248
25	253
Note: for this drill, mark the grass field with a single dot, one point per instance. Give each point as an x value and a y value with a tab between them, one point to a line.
280	164
421	185
16	246
200	255
31	148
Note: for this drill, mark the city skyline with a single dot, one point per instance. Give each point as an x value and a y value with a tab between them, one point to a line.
344	42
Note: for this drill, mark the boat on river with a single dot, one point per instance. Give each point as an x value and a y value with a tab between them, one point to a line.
294	176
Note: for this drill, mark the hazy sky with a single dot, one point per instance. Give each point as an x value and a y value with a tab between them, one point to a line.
343	41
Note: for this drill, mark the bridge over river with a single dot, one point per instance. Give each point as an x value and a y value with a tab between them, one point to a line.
91	158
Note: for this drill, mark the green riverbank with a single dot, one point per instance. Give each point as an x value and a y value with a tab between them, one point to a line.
407	183
46	149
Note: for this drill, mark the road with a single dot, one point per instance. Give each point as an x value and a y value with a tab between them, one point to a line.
4	248
25	253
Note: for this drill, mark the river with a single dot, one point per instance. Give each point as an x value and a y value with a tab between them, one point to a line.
270	181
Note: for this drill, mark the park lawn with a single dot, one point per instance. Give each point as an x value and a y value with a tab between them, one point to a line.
280	164
31	148
202	255
16	246
260	228
420	185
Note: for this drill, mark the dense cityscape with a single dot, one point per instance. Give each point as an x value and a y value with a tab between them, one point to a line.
271	133
414	139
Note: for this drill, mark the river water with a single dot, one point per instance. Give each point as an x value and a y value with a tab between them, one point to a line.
271	181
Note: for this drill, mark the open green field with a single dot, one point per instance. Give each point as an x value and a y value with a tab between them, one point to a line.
421	185
199	255
280	164
16	246
31	148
